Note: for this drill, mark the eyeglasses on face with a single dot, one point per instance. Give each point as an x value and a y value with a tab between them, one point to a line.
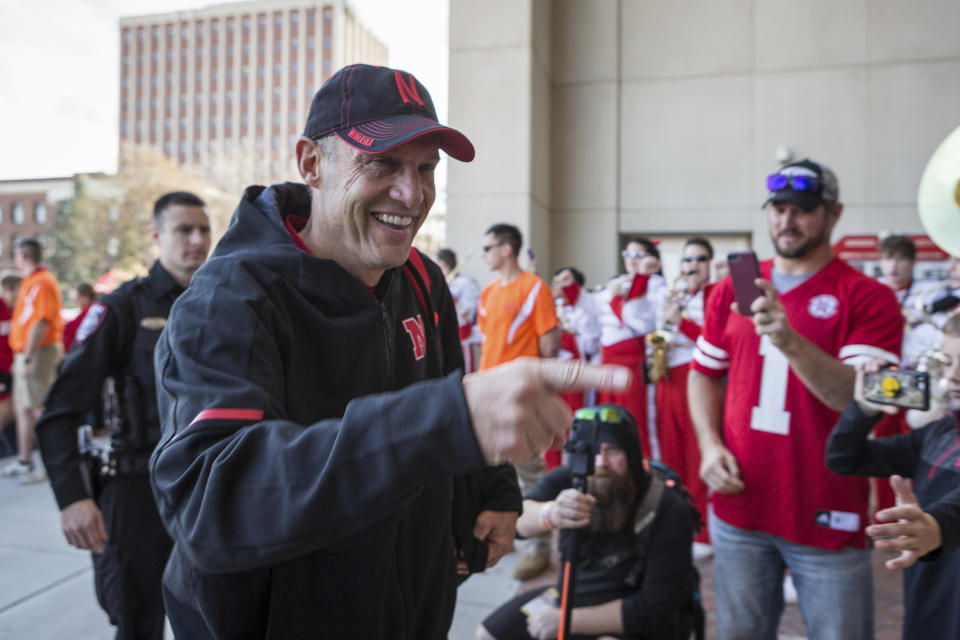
778	181
633	254
697	259
487	247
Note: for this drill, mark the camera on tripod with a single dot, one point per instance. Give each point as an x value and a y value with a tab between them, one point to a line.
584	442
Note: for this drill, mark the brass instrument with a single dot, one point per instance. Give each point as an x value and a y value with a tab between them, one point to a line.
660	340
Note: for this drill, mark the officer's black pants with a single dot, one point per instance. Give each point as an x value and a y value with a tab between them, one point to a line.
127	574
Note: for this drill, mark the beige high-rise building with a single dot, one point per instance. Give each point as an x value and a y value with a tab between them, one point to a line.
598	119
225	89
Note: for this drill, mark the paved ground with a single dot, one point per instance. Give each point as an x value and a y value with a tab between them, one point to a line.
46	586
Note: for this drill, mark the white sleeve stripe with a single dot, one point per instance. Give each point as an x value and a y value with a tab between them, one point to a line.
525	311
709	362
710	350
863	351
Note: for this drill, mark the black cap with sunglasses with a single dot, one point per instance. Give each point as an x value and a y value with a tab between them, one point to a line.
807	184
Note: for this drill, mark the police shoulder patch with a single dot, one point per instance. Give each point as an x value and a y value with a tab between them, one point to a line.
91	322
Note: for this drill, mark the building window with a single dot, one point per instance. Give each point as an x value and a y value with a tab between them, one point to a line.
213	125
243	125
123	131
167	148
275	142
153	81
276	94
1	217
277	46
229	98
260	72
183	55
245	72
311	19
293	94
261	48
199	77
168	101
169	56
310	43
309	67
126	36
199	29
260	119
260	94
276	69
228	121
183	102
229	74
17	213
277	20
293	68
243	97
262	20
276	117
229	24
199	100
293	117
183	125
39	212
294	18
168	79
246	48
213	100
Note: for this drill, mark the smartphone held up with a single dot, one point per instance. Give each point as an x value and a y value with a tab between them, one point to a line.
744	269
898	387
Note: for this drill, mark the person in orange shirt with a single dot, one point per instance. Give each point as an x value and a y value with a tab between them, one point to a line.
36	332
517	318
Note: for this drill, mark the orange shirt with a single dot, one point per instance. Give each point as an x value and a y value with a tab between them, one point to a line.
512	317
39	299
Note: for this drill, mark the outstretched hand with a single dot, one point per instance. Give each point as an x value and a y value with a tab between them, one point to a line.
516	409
909	530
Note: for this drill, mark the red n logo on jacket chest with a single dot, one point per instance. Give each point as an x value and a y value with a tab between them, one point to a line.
414	329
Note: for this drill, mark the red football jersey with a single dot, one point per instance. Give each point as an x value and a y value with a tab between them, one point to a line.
6	353
778	429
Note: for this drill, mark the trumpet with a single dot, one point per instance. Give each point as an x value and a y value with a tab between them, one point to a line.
660	340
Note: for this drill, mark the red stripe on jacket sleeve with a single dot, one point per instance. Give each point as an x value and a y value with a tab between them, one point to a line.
228	414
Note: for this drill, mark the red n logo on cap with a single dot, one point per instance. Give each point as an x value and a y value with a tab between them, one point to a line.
407	88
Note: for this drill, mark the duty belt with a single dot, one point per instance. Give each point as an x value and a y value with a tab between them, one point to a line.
127	464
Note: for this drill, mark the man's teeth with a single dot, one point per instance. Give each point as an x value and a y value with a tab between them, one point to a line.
400	221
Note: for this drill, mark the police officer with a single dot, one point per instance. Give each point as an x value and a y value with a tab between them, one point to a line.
111	512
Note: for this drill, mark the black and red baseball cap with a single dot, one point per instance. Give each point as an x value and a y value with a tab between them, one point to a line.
376	109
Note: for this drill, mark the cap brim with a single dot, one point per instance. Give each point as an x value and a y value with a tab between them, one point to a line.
805	200
378	136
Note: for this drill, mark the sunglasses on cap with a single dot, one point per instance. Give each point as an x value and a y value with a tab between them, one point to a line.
609	415
778	181
633	254
697	259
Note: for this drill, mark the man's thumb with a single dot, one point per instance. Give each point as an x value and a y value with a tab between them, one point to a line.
902	490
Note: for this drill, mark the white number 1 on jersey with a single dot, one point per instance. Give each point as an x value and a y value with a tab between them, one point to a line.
769	415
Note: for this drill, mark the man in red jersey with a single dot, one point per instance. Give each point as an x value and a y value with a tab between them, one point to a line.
9	286
788	369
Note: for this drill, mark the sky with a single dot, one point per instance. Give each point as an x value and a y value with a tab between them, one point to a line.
59	65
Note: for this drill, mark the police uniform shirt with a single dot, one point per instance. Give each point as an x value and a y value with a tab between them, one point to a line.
116	339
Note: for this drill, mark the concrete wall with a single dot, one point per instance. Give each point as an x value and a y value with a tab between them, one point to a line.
597	119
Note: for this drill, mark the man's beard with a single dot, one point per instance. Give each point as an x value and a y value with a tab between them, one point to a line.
800	250
615	496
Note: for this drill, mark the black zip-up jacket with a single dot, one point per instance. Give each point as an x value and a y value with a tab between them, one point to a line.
931	456
312	435
116	339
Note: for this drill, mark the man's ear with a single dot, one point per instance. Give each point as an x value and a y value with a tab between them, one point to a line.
309	161
154	233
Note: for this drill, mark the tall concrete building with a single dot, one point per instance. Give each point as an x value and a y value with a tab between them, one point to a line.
225	89
596	120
